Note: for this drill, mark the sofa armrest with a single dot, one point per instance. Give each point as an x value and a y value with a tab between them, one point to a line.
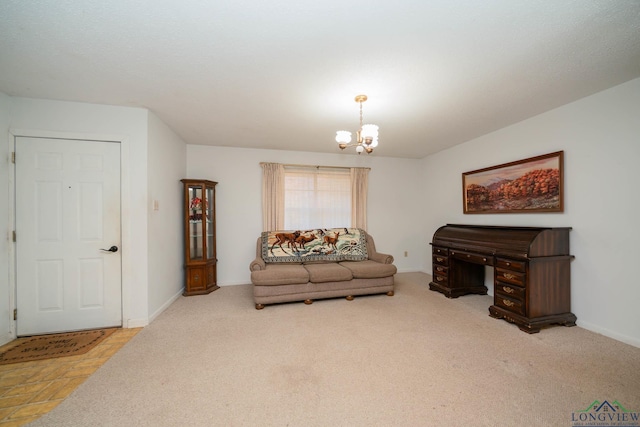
381	258
257	265
374	255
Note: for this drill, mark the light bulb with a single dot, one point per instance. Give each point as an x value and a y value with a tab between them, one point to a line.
343	137
369	131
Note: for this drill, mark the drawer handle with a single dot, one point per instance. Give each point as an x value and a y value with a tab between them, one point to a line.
453	253
484	259
508	289
439	259
508	276
468	256
508	264
508	303
439	279
439	269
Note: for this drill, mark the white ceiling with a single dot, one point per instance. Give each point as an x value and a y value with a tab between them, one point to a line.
283	74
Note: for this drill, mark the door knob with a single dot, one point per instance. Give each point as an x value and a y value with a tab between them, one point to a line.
111	249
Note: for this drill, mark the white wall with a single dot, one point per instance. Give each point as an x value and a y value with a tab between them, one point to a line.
167	166
394	212
600	136
6	294
36	117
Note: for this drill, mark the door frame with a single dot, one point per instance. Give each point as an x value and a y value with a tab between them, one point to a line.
125	206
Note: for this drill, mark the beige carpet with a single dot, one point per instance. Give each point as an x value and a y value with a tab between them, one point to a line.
415	359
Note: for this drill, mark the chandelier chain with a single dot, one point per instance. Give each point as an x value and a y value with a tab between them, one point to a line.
366	136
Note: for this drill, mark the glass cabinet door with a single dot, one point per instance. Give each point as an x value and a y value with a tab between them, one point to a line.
195	222
209	222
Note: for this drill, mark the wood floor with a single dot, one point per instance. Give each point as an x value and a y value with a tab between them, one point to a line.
30	389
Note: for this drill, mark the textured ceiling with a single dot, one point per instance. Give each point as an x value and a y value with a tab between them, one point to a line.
282	74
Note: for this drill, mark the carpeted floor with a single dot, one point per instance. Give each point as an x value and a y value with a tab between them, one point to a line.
417	358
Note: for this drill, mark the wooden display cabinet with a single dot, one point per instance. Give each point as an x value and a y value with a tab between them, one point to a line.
199	236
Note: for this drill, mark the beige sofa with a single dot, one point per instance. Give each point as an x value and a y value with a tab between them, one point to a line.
321	264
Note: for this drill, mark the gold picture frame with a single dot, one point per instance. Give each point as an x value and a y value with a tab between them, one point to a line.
530	185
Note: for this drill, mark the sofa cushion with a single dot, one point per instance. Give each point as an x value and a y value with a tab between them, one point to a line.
320	273
369	269
280	274
334	244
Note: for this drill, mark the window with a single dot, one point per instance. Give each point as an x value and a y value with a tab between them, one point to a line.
306	197
316	197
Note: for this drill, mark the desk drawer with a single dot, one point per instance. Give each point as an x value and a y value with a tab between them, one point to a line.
470	257
511	291
440	279
440	251
509	276
509	264
439	269
512	305
440	260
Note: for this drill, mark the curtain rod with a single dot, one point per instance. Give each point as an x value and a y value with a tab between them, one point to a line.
315	166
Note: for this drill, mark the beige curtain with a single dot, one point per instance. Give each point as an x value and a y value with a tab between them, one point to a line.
359	190
272	196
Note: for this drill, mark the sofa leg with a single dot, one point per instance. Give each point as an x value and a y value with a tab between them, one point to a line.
349	297
308	301
390	293
259	306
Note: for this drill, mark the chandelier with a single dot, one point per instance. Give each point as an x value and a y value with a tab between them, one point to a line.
366	137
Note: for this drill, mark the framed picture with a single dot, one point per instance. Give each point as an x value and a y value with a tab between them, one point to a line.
525	186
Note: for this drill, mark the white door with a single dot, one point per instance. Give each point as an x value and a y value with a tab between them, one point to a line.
67	218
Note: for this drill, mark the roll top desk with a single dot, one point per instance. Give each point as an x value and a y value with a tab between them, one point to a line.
532	274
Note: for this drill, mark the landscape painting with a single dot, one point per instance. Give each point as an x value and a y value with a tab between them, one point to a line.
530	185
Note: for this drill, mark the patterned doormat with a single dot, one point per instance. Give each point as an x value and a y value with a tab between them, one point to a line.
50	346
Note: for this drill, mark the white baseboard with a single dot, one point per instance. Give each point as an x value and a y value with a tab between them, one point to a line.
135	323
413	270
141	323
235	283
166	305
5	338
609	333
